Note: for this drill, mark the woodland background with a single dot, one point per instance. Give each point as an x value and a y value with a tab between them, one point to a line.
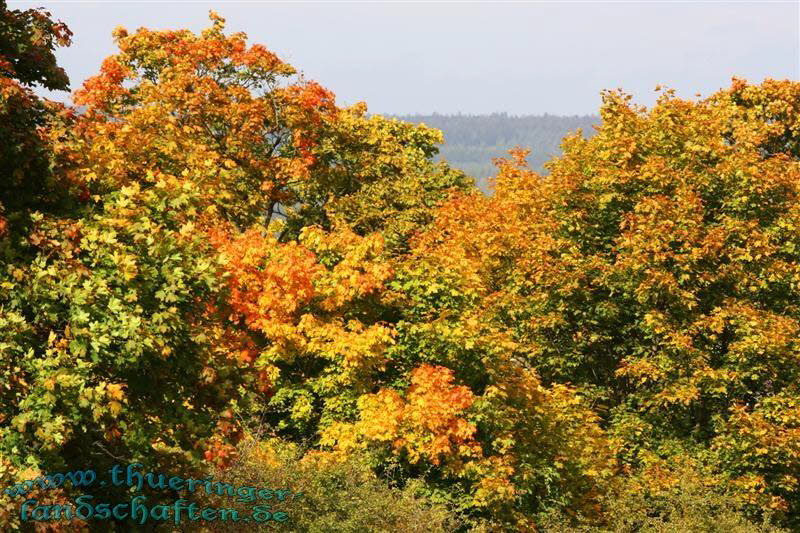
472	142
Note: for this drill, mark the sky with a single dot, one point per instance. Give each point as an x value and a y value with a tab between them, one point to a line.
477	57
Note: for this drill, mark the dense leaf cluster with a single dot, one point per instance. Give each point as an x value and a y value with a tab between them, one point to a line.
214	250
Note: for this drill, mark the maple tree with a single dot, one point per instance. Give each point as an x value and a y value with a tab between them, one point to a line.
270	145
655	269
201	178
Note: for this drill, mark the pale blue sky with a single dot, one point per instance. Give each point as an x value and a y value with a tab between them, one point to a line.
521	58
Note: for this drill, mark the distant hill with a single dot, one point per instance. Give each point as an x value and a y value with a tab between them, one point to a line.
472	141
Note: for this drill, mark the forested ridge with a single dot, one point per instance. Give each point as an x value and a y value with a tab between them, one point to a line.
211	269
472	142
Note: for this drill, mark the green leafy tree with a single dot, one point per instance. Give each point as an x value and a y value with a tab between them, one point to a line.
27	42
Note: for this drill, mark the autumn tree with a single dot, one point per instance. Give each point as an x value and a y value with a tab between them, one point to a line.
208	189
655	269
272	144
27	42
212	240
311	210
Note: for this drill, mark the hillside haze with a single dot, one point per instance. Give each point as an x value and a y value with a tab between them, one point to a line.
472	141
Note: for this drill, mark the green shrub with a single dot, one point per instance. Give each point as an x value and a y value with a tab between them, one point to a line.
688	507
326	497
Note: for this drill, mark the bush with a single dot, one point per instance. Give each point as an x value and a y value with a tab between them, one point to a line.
326	496
690	505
